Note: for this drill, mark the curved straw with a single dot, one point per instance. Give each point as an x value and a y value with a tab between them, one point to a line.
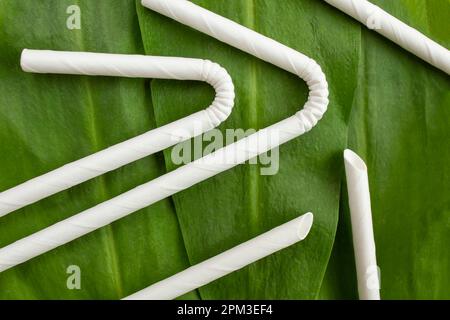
208	166
395	30
229	261
95	64
362	229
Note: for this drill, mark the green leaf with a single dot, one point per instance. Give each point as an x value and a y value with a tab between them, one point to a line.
49	120
400	126
239	204
392	106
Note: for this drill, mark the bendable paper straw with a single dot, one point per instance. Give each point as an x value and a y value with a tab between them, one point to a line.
96	64
203	168
362	229
395	30
229	261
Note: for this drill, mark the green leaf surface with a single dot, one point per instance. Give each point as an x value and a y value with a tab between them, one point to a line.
49	120
400	126
239	204
386	104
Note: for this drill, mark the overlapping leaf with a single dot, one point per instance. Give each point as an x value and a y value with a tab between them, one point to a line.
47	121
400	126
239	204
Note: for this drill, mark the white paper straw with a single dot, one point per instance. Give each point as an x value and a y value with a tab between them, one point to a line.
395	30
208	166
137	66
229	261
362	229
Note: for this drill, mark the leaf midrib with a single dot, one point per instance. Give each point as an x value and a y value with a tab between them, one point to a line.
252	115
253	183
107	233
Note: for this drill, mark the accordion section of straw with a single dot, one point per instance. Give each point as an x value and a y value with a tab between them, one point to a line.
118	65
229	261
397	31
203	168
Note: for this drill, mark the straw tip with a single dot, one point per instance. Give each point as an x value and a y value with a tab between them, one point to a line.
23	59
305	224
23	53
352	159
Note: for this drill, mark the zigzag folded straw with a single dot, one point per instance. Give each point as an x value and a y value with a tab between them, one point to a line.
362	229
208	166
96	64
229	261
395	30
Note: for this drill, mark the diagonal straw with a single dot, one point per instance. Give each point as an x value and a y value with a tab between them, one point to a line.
96	64
362	229
229	261
203	168
395	30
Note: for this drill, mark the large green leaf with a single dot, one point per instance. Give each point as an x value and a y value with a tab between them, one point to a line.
239	204
47	121
393	106
400	126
